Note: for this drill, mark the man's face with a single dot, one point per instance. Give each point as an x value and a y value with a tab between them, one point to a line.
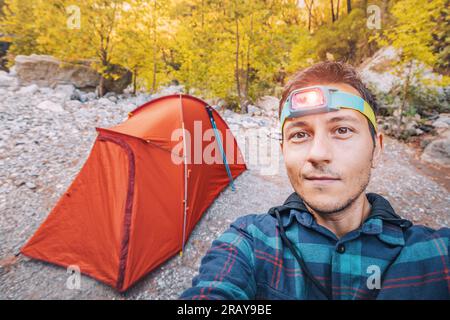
335	145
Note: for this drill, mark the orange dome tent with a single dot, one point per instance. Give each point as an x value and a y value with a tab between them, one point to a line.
139	194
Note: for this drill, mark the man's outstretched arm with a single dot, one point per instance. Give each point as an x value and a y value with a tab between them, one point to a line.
227	269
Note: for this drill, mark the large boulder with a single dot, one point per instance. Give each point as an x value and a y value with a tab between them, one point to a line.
47	71
377	70
384	72
443	121
438	152
122	80
269	105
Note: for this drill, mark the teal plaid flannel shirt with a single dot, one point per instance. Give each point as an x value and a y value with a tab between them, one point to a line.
386	258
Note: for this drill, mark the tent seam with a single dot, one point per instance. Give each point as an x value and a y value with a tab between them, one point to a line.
124	248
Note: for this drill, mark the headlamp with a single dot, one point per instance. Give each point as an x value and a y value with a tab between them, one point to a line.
320	99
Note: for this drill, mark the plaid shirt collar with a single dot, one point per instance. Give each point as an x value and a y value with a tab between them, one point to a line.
382	222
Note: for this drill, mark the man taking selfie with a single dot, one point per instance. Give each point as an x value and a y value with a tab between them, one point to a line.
330	239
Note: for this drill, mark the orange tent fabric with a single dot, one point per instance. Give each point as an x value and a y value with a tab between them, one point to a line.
138	196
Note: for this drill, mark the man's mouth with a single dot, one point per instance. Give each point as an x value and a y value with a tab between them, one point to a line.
322	179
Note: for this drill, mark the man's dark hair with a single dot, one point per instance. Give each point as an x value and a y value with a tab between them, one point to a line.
330	72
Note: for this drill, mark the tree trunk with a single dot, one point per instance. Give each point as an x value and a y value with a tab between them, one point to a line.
405	95
309	7
337	9
154	49
349	6
135	73
333	18
238	83
154	76
247	76
385	10
101	87
188	80
364	6
106	70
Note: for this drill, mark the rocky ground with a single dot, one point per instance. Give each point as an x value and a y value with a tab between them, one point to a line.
46	135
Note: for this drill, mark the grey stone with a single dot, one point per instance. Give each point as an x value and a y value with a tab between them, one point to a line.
253	110
73	104
12	71
91	96
65	91
438	152
30	185
5	80
46	91
268	103
104	101
440	123
50	106
29	90
113	99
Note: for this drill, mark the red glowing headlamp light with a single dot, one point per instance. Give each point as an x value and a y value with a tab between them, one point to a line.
307	98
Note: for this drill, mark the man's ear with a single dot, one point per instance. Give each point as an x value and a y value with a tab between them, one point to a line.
378	150
281	144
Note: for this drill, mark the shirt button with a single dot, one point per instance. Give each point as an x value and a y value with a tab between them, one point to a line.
340	248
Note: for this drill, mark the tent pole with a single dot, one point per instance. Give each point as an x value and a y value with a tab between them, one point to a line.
185	178
219	142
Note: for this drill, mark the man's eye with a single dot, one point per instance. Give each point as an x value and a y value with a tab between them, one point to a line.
298	136
343	131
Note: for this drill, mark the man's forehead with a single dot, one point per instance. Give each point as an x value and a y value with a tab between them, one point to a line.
348	115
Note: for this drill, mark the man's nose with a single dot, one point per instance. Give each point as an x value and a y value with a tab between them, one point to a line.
320	149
